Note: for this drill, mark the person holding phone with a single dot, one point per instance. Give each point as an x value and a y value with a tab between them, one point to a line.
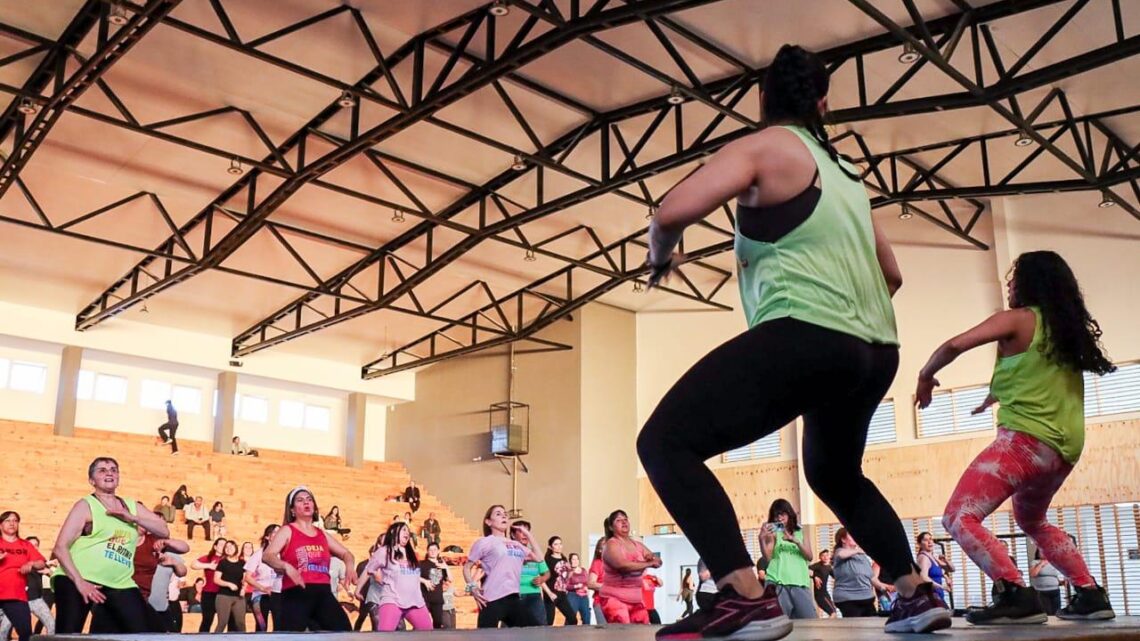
782	542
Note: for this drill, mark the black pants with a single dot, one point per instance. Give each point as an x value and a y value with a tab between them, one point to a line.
314	603
123	611
823	600
751	386
436	612
205	525
1051	600
158	622
562	605
705	599
20	616
365	614
654	617
853	609
509	611
174	617
168	432
209	604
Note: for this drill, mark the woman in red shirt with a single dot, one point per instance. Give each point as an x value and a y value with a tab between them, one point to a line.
303	552
209	566
18	558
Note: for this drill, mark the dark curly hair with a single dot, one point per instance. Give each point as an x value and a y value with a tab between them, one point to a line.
1043	279
793	86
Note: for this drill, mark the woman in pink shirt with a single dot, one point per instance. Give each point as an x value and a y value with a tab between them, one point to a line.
625	561
576	581
502	560
396	570
596	578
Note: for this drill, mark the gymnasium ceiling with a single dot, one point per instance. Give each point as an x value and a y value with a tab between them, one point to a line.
394	182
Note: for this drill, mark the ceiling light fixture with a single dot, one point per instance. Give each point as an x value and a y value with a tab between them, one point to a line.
519	163
346	100
652	212
637	288
27	107
906	213
397	216
1106	200
118	15
235	167
1023	140
499	8
675	96
530	257
908	55
144	310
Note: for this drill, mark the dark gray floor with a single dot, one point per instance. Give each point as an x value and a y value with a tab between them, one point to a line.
1122	629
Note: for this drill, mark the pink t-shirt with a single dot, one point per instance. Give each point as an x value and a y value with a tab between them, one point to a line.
598	569
400	585
502	561
624	586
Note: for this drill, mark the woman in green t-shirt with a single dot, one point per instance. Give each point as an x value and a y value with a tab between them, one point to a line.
1045	341
534	575
782	543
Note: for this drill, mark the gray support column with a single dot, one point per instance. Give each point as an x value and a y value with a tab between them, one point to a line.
354	429
65	397
224	421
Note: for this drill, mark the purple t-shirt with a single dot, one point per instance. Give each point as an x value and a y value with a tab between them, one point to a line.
502	562
400	585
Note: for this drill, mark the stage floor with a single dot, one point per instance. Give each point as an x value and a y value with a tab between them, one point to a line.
1123	628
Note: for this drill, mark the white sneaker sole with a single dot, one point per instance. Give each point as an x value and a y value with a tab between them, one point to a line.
1029	620
929	621
1103	615
767	630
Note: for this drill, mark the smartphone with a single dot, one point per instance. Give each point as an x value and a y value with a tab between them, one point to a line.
773	527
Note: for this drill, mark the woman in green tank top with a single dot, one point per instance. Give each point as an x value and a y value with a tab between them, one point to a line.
1045	340
816	279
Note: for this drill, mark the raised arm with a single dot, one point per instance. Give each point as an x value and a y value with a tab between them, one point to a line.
1001	326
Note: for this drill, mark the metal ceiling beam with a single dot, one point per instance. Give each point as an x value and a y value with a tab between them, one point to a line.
32	129
248	342
422	106
1012	113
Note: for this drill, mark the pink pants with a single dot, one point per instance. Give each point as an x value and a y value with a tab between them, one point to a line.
618	611
1017	465
389	615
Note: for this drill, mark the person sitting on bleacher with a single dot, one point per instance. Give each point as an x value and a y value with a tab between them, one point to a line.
239	447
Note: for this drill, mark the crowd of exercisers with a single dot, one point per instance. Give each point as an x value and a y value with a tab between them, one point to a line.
816	281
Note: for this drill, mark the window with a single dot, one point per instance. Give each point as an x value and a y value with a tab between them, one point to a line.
317	418
85	387
4	365
1115	393
110	389
291	414
27	377
882	428
767	447
154	394
254	409
951	412
187	399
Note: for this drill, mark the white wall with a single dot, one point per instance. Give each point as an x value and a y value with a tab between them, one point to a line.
29	406
676	553
272	435
375	429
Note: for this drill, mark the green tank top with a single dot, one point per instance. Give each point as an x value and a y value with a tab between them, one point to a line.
1040	397
788	566
107	555
825	271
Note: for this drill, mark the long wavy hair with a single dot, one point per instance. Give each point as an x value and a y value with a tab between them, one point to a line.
793	86
1043	279
392	542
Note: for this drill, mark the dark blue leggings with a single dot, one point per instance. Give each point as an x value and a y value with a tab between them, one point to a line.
751	386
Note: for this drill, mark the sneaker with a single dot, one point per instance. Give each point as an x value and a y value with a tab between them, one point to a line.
1012	604
1088	604
733	617
922	612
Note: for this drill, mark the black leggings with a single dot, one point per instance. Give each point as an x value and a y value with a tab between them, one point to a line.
314	603
824	602
19	616
751	386
209	602
169	432
509	610
853	609
562	604
123	611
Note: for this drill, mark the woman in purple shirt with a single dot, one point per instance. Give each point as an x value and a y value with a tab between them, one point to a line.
502	560
396	570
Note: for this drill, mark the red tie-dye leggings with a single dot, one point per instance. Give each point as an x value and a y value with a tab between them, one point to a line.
1017	465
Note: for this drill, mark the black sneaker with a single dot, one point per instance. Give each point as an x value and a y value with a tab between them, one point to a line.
733	617
922	612
1012	604
1088	604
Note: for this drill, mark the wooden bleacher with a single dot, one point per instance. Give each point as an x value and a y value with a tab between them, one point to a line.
48	473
